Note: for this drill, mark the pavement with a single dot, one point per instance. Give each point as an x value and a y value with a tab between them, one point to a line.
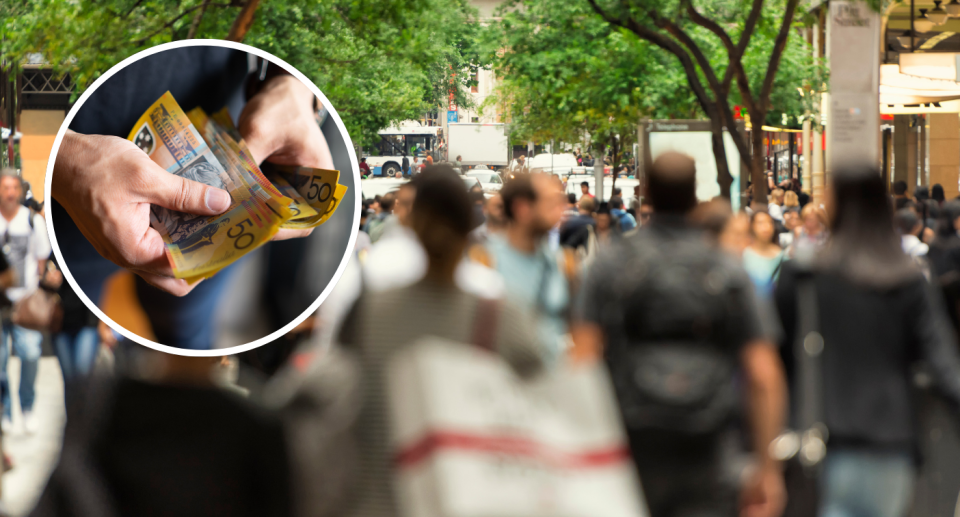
34	455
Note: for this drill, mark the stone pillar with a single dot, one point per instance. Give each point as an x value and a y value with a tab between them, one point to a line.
944	138
806	178
818	178
39	128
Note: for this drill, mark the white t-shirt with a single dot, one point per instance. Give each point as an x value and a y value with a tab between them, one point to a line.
24	248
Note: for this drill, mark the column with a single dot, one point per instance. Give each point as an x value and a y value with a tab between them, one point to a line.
944	138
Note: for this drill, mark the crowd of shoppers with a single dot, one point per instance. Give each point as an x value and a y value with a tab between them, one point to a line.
723	333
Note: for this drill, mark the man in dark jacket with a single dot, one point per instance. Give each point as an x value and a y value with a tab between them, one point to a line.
675	319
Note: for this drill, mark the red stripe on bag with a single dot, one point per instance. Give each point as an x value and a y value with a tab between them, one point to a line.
507	445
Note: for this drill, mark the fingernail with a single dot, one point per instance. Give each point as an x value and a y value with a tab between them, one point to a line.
217	200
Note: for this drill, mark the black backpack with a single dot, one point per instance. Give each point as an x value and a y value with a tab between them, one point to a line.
672	367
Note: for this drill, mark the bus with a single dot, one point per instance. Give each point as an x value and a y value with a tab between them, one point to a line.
397	142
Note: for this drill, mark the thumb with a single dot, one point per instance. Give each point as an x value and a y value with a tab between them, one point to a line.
183	195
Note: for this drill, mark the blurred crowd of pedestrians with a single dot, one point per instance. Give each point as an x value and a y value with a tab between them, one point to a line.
764	362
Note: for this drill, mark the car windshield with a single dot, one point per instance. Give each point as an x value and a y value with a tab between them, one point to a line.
481	176
470	181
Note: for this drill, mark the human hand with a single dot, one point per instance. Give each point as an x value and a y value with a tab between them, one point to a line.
278	125
53	278
107	337
107	185
764	494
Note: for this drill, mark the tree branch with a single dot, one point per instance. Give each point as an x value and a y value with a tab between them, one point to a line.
669	45
196	20
169	24
778	47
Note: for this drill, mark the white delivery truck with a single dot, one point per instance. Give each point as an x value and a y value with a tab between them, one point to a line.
478	144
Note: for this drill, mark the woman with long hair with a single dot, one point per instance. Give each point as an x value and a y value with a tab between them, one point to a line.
763	257
877	318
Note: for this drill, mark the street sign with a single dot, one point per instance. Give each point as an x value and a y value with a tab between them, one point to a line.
452	117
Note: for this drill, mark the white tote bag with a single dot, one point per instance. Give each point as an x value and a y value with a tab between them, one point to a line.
472	439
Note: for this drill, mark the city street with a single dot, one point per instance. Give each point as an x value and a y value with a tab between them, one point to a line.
33	455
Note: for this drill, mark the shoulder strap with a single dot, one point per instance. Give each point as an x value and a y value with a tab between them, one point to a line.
485	324
808	351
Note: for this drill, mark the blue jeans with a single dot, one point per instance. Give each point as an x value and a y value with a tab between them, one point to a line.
27	345
865	483
77	352
184	322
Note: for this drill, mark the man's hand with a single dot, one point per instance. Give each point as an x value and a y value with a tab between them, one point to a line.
278	125
764	494
107	185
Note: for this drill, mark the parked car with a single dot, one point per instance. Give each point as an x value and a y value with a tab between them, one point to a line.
489	180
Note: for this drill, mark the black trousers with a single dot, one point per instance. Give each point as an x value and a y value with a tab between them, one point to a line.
684	476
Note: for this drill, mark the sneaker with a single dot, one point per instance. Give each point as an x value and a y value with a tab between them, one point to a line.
29	422
6	424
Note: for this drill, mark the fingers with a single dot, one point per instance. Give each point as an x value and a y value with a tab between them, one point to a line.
289	233
183	195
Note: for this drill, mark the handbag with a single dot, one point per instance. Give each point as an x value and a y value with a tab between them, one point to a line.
38	310
471	437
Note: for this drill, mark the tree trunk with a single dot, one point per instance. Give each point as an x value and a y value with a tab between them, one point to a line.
598	171
615	162
724	178
243	22
757	170
195	24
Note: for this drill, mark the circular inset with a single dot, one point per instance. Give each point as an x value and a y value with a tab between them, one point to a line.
232	149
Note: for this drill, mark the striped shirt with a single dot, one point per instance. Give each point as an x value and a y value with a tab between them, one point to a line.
380	325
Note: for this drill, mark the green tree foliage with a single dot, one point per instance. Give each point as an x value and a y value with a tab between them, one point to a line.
378	61
566	69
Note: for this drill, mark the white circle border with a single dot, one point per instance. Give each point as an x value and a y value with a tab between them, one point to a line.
354	166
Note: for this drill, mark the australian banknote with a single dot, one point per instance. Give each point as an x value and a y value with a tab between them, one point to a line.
207	149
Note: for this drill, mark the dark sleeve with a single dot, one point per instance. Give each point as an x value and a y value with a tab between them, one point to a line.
937	342
593	292
273	481
4	265
749	326
785	296
350	329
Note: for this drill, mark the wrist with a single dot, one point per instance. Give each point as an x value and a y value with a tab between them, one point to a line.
70	148
292	86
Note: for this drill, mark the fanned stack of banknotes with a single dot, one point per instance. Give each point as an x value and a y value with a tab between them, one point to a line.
209	149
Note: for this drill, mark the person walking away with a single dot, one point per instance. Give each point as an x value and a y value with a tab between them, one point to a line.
900	196
944	260
384	220
910	226
626	221
26	249
576	231
936	193
812	234
532	272
77	340
877	317
775	206
494	220
764	257
676	319
645	212
405	165
380	326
